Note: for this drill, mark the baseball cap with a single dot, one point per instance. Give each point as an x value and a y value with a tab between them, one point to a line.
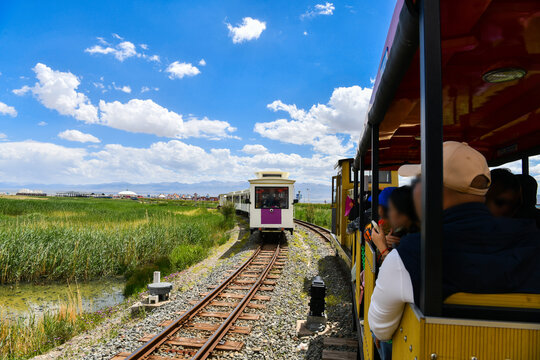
461	165
384	195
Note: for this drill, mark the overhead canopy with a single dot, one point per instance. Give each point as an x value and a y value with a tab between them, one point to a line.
501	120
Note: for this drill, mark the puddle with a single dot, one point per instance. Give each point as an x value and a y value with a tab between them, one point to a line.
22	299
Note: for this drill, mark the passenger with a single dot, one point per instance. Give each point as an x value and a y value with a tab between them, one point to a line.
382	211
402	218
481	253
529	189
504	195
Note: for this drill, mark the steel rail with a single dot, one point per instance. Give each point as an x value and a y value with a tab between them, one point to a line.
315	228
149	347
218	335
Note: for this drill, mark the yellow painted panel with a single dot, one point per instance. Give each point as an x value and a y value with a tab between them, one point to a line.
451	341
528	301
407	340
369	280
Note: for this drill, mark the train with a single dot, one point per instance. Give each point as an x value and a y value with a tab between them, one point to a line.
456	70
269	202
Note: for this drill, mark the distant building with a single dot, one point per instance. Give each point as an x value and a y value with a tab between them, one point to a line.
127	194
29	192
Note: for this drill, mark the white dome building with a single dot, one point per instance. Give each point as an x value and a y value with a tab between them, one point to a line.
127	193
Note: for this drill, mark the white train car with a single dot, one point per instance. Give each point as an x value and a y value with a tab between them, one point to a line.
268	202
271	205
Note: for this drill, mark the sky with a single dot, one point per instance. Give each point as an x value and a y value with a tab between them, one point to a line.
165	91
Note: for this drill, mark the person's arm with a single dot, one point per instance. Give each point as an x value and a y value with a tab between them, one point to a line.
393	290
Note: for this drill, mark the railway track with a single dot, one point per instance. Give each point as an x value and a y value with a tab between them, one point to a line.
323	232
193	336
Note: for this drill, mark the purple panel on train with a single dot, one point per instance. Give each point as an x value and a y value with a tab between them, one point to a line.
270	216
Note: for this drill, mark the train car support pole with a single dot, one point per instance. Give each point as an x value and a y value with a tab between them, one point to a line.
375	172
431	133
525	165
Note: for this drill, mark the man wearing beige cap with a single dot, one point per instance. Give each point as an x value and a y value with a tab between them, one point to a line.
481	253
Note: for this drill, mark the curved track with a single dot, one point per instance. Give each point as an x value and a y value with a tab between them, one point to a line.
252	276
321	231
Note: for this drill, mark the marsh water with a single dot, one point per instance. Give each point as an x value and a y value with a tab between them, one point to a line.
22	300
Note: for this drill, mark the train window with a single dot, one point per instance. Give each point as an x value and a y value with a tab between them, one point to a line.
271	197
385	177
334	189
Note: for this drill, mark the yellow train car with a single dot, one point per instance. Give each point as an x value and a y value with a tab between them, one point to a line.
343	187
450	70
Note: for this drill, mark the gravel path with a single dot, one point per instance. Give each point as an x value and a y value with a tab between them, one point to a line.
272	337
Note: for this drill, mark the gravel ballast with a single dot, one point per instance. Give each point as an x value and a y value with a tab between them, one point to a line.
272	337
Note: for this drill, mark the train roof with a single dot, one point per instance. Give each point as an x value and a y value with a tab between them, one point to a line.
483	42
271	177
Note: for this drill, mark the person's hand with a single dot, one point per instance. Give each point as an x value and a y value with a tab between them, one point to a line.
392	240
379	239
377	343
362	278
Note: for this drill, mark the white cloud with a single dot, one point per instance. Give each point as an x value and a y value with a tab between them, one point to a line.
320	9
146	89
145	116
202	62
249	29
56	90
46	163
329	128
178	70
76	135
121	51
154	58
42	123
305	33
7	110
3	137
98	85
143	46
124	88
117	36
256	149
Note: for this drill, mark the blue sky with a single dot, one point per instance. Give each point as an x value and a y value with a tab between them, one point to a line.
149	91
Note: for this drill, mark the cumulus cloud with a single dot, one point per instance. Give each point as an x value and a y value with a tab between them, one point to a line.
202	62
56	90
320	9
329	128
145	116
249	29
3	137
42	123
7	110
256	149
178	70
76	135
46	163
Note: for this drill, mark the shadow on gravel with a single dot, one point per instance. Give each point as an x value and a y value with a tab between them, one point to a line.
337	279
244	241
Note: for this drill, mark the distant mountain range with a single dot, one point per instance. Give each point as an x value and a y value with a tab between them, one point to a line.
316	192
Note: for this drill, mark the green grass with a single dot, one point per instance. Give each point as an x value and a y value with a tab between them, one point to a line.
72	238
319	214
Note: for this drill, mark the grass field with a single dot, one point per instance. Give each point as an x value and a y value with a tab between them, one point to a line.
46	239
82	238
319	214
